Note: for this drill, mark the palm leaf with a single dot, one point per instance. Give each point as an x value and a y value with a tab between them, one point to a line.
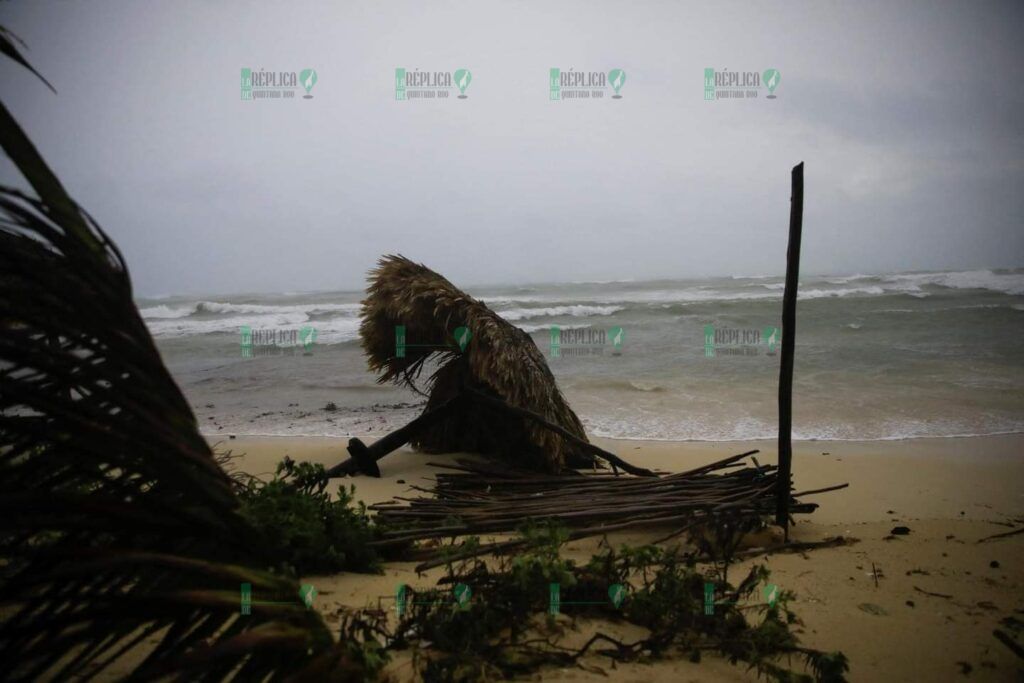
121	548
9	49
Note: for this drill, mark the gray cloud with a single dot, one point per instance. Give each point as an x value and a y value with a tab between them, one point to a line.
906	114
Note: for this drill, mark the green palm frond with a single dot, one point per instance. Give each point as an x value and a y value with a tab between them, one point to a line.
121	547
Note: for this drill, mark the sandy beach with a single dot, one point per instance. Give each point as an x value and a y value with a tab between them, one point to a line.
675	230
939	594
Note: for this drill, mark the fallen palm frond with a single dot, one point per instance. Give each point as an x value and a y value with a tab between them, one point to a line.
484	498
120	540
496	359
500	618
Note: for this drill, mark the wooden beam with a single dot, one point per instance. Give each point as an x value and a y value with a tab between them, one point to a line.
785	480
364	458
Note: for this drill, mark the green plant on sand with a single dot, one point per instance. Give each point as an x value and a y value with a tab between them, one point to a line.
500	632
313	533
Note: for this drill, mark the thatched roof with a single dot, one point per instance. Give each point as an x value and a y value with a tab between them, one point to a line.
500	359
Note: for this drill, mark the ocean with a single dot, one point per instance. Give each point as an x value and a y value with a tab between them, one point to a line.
882	356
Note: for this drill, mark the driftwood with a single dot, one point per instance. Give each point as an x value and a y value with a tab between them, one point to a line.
934	595
1002	535
364	458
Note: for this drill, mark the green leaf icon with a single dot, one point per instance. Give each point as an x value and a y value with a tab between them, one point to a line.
307	335
307	592
400	599
617	78
307	78
462	80
462	594
617	335
616	593
771	594
771	79
462	337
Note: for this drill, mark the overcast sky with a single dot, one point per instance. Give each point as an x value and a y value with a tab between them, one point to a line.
908	116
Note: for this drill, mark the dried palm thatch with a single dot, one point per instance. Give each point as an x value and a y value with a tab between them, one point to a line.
479	499
499	360
120	543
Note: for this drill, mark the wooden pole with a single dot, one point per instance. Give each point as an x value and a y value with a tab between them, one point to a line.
364	458
785	481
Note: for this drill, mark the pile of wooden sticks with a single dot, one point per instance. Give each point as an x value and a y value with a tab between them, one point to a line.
480	498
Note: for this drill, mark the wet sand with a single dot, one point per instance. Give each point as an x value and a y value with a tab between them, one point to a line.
949	492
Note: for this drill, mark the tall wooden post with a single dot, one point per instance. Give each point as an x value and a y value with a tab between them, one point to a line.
796	216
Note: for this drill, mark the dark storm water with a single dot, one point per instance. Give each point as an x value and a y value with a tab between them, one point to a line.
877	357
